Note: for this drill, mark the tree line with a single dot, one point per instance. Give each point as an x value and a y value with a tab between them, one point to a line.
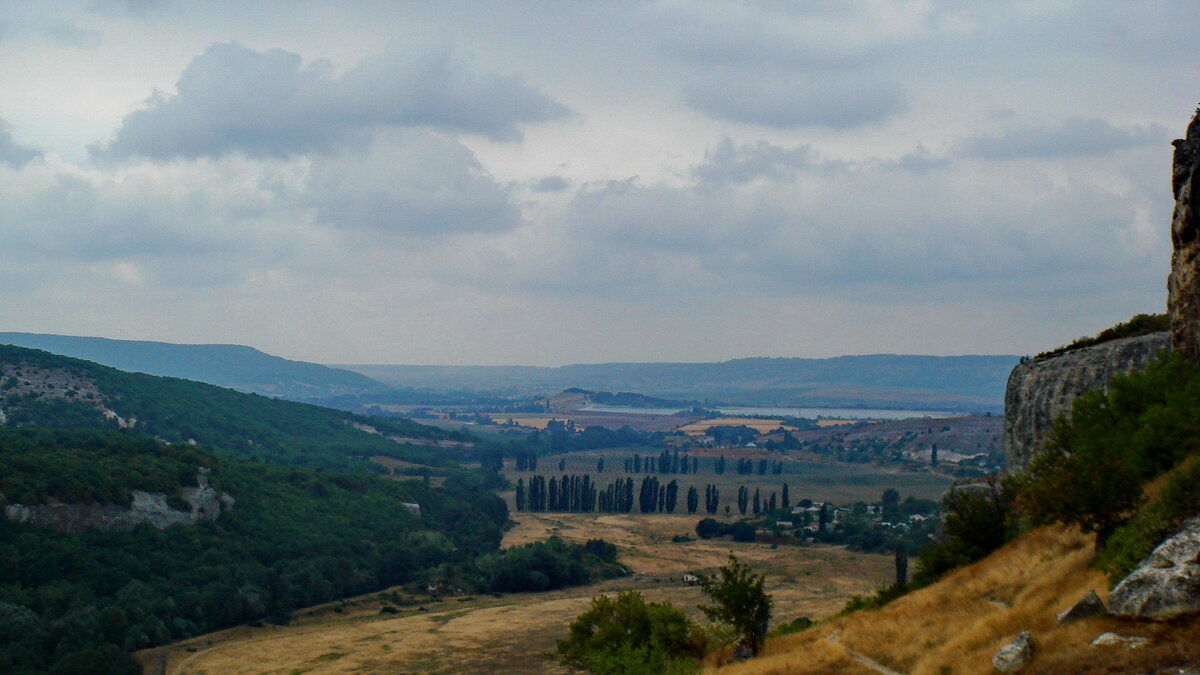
580	494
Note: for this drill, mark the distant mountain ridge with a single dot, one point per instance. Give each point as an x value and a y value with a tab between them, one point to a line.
235	366
879	380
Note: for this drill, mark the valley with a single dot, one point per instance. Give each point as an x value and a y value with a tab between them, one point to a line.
517	632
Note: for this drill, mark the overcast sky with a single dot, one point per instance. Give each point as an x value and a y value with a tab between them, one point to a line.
560	182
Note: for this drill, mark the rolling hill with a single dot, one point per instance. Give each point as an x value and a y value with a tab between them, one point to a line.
40	389
237	367
974	383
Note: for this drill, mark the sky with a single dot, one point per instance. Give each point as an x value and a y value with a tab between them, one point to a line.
545	183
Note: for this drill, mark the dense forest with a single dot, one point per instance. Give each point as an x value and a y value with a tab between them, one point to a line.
297	536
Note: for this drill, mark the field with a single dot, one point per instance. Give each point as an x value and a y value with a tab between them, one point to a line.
819	481
516	633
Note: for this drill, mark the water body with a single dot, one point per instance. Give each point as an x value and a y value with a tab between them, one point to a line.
810	413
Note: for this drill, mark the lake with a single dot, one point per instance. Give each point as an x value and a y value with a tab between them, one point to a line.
810	413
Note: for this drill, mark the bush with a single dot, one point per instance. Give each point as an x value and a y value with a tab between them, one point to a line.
1097	459
975	523
794	626
1130	543
629	635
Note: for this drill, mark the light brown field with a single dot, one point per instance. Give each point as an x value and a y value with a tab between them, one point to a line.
762	426
516	633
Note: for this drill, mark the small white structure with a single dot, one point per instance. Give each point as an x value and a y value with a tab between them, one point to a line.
414	509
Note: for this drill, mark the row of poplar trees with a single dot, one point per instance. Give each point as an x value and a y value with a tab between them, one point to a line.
580	494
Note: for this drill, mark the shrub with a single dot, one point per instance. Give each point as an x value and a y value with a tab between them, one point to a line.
1131	542
1097	459
629	635
739	602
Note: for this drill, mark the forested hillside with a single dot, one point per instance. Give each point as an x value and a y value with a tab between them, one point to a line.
46	390
234	366
297	536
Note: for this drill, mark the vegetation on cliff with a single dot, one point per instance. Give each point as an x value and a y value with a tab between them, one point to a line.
1139	324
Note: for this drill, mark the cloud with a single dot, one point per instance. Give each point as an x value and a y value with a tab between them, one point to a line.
761	219
551	184
130	7
12	153
409	183
834	101
1075	137
67	33
272	104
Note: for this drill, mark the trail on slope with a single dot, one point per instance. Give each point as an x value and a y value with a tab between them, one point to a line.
861	658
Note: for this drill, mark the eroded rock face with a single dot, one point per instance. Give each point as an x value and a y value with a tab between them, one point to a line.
1183	286
1167	582
1040	391
147	507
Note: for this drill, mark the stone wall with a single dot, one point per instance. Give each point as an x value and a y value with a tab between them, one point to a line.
1040	391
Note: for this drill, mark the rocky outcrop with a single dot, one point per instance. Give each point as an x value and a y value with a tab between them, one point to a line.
1124	641
1040	391
1166	583
1183	286
1088	606
1015	655
153	508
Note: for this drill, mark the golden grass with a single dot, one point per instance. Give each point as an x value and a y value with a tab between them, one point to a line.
759	425
957	624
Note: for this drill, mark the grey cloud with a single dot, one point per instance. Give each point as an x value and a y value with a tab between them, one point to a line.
551	184
837	102
130	7
839	230
231	98
68	33
1073	137
12	153
728	163
411	183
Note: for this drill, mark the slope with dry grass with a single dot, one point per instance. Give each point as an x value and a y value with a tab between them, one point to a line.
957	624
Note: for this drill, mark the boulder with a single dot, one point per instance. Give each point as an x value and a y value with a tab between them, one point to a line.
1165	584
1088	606
1114	640
1015	655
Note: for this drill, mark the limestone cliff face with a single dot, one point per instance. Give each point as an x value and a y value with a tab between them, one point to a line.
1040	391
148	507
1183	286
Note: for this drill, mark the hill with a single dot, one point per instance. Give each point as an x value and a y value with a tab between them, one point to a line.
237	367
970	383
76	603
39	389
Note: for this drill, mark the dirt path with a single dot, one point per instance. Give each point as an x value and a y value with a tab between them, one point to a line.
861	658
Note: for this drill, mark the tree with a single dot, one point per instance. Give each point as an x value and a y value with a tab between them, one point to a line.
521	494
693	500
739	602
785	500
628	635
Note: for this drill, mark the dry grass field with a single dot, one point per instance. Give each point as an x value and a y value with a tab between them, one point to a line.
516	633
956	625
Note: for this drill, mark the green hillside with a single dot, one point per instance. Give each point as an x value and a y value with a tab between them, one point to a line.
296	537
47	390
234	366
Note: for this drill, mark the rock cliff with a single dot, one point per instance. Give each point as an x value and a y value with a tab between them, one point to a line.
1183	286
148	507
1040	391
